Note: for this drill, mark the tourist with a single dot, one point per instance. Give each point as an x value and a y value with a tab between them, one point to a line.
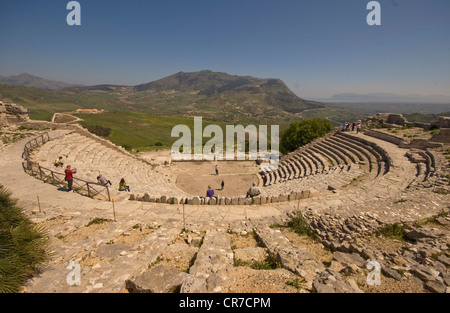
347	125
123	186
69	176
358	128
58	162
103	181
210	192
222	185
253	191
217	170
353	127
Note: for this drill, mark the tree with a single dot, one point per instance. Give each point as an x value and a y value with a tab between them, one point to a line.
301	133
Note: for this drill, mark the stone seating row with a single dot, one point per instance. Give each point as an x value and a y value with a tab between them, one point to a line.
338	149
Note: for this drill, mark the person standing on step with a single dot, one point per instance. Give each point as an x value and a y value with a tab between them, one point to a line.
69	176
222	185
217	170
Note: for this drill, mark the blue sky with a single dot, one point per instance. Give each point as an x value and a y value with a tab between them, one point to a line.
319	48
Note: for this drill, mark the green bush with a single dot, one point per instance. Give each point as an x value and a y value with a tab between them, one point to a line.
394	231
23	246
301	133
301	227
99	131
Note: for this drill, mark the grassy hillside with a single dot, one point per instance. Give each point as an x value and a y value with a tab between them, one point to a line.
424	118
41	104
142	132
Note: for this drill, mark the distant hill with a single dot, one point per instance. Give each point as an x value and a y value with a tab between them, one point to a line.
386	98
212	95
28	80
274	92
395	107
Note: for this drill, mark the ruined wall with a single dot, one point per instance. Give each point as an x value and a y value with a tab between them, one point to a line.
443	136
385	119
11	113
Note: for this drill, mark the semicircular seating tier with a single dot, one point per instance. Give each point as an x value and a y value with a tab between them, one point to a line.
92	158
333	160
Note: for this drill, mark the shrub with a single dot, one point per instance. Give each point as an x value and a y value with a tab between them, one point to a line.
23	246
97	221
394	231
301	227
99	131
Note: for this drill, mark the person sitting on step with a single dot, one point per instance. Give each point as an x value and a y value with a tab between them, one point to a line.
210	192
103	181
58	162
253	191
123	186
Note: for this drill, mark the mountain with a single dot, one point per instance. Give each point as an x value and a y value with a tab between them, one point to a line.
273	92
29	80
213	95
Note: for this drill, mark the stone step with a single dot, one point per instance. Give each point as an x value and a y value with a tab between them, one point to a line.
298	260
214	259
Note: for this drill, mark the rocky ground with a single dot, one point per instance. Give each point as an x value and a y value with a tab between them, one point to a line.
330	242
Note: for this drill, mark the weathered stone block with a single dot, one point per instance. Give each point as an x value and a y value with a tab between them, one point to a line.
195	200
159	279
283	198
256	200
263	199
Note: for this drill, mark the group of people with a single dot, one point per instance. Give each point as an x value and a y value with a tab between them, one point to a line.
104	182
69	172
346	127
252	192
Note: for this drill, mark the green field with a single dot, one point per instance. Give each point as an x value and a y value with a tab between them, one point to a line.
144	132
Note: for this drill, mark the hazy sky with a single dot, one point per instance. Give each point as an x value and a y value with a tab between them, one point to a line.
318	47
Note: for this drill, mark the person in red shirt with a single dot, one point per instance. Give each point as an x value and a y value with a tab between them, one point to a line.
69	176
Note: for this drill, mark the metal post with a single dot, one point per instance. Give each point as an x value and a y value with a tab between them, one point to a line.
39	205
114	212
184	219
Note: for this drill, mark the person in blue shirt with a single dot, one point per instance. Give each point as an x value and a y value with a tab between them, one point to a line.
210	192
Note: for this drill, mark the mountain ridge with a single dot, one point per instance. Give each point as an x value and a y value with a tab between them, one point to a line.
216	95
29	80
385	98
